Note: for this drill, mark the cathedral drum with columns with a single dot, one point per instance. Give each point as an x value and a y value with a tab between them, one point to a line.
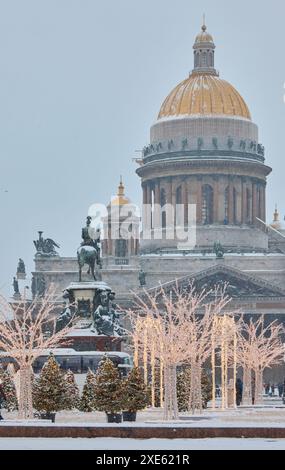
205	152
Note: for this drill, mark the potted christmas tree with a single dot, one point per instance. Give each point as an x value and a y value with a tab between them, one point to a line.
87	401
136	395
72	391
49	390
108	391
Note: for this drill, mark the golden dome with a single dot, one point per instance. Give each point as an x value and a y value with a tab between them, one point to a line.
120	199
204	94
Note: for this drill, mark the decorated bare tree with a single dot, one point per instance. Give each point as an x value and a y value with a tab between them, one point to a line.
260	347
27	330
179	323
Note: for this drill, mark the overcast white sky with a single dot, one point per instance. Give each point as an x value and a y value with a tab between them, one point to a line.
81	81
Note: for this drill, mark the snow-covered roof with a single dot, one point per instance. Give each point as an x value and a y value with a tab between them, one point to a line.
72	352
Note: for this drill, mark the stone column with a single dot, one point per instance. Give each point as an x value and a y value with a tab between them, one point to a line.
244	201
147	208
239	206
216	189
254	204
222	185
199	200
168	191
144	189
157	207
185	202
249	187
231	201
263	202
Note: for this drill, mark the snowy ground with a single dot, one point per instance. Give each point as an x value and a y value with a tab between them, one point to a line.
138	444
270	415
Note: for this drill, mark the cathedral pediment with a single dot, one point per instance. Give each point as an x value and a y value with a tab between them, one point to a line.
240	285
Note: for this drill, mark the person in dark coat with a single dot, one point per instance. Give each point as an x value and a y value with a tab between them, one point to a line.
2	399
239	388
280	389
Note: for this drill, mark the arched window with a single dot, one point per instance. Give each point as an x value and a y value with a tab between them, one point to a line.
163	203
207	204
226	206
211	58
204	59
121	248
179	195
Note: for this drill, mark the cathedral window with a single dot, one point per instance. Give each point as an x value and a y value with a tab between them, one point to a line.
207	204
204	59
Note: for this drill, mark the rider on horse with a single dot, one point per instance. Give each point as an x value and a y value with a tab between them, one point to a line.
90	255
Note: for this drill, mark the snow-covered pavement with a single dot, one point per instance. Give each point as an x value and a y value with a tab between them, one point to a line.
138	444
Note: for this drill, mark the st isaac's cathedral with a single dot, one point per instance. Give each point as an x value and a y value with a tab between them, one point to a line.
205	157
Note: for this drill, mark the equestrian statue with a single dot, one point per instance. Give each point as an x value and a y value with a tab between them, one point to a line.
89	250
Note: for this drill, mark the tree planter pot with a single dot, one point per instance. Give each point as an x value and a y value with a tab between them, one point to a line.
50	416
114	417
129	415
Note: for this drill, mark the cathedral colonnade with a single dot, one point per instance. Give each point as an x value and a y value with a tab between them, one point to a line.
219	200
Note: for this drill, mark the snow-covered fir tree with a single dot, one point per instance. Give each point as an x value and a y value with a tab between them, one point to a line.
72	391
49	389
108	388
135	393
183	389
10	403
87	401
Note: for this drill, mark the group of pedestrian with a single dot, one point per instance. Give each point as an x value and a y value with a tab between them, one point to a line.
271	389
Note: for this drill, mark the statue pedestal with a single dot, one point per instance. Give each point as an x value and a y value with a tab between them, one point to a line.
21	276
86	340
83	299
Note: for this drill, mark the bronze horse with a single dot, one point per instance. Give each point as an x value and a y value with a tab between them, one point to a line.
87	255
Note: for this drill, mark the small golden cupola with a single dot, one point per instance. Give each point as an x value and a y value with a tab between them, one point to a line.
120	199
